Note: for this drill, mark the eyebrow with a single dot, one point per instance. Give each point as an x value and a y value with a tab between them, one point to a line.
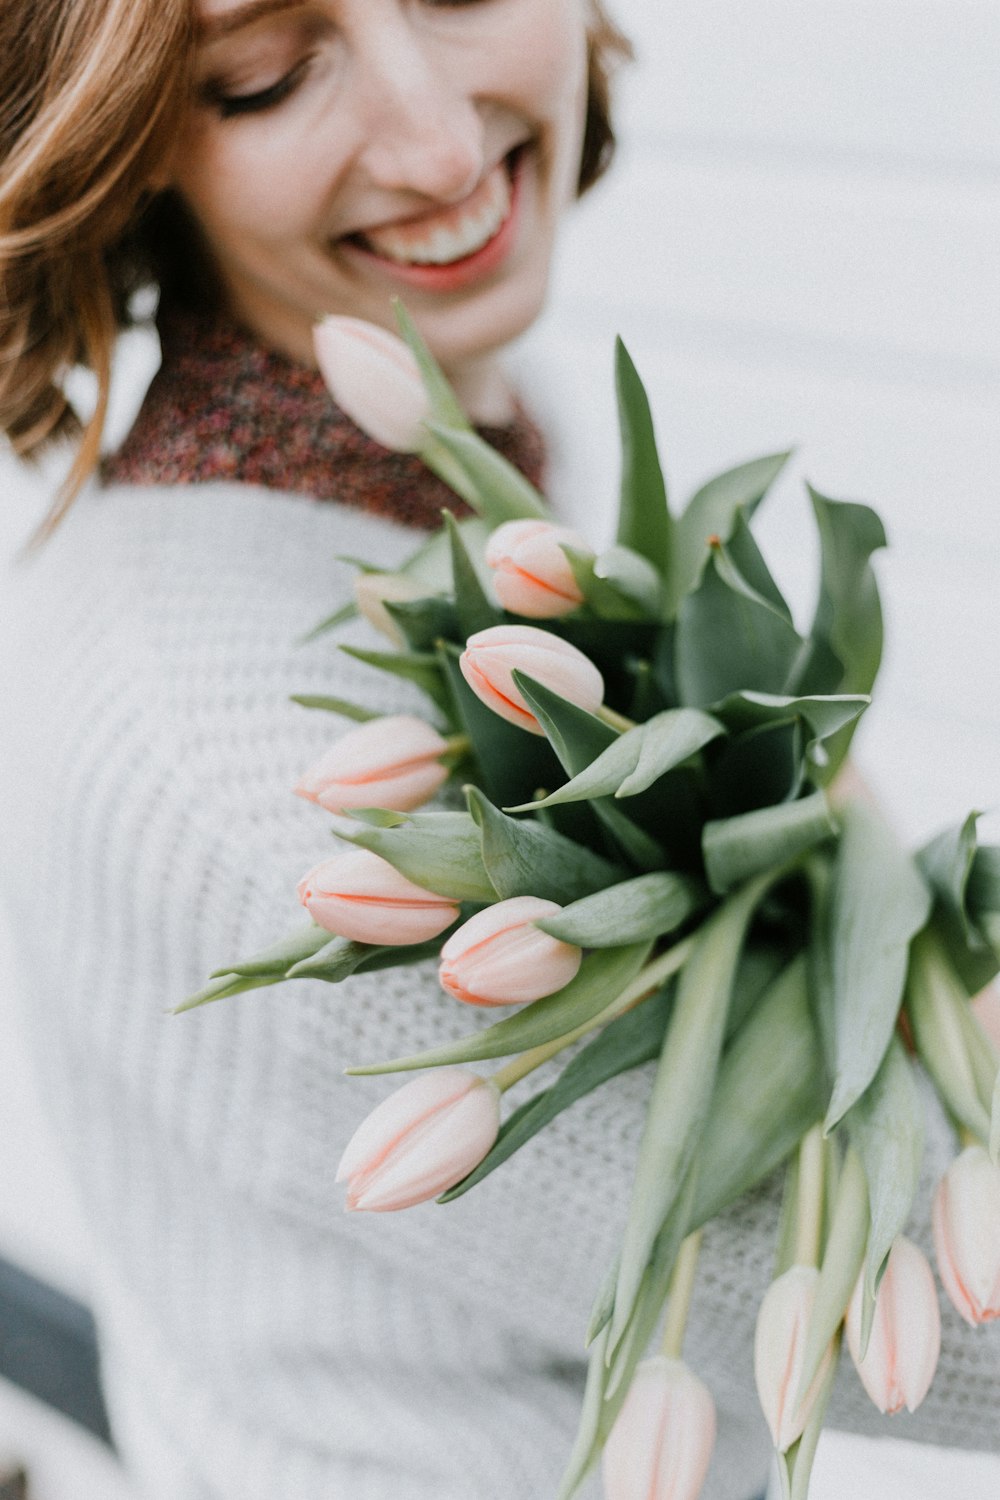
213	27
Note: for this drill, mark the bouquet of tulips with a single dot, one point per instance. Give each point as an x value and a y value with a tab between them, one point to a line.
649	867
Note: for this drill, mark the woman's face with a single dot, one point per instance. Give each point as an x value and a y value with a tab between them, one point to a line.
342	152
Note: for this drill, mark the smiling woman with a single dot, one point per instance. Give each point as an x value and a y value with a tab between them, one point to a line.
262	164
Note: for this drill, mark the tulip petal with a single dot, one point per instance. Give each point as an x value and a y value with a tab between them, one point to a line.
423	1138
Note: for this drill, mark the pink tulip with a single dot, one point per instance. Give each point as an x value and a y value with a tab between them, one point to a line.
372	591
420	1141
905	1341
361	896
531	573
374	378
661	1445
392	762
967	1235
779	1351
491	656
498	957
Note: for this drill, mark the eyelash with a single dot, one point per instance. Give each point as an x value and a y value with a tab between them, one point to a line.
230	106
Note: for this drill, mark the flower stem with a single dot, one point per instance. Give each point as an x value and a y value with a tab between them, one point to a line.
458	745
648	979
681	1291
616	721
809	1214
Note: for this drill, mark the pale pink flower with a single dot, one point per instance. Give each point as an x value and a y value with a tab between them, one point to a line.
420	1141
491	656
779	1352
372	591
905	1342
531	573
361	896
967	1235
498	957
392	762
374	378
661	1445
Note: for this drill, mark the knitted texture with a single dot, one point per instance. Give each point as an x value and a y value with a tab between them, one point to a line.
260	1344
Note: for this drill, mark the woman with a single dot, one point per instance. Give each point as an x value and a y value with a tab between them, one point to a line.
267	162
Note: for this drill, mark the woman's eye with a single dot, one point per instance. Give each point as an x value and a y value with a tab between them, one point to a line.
229	105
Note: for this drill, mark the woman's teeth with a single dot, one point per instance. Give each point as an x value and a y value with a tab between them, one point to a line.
458	232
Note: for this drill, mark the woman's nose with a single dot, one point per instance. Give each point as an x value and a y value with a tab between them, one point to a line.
424	132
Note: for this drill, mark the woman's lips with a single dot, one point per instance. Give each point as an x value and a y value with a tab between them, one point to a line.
439	239
447	250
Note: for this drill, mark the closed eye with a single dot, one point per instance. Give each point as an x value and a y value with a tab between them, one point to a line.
230	105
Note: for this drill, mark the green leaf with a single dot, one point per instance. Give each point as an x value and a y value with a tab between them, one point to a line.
886	1128
634	760
473	607
845	643
627	597
737	848
949	864
742	550
340	616
943	1027
600	978
421	669
682	1089
712	512
838	1274
524	858
630	912
628	1042
769	1091
341	706
729	638
280	957
578	737
823	717
878	903
441	851
423	622
430	564
336	961
444	402
222	988
644	520
489	482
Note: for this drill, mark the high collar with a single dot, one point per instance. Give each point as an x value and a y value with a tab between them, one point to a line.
223	406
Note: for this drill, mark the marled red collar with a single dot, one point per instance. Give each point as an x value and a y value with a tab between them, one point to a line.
224	407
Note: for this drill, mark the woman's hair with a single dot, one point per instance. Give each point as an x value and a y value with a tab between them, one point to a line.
92	93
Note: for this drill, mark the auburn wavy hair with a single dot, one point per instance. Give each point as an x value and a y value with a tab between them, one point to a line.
92	94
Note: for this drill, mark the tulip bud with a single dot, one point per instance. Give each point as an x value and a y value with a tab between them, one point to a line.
362	897
905	1342
967	1235
491	656
372	591
392	762
374	378
779	1351
420	1141
531	573
661	1444
498	957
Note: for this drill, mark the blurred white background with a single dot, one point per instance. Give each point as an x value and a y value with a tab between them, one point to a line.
800	246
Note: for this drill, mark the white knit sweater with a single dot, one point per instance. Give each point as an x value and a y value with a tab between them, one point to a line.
259	1344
